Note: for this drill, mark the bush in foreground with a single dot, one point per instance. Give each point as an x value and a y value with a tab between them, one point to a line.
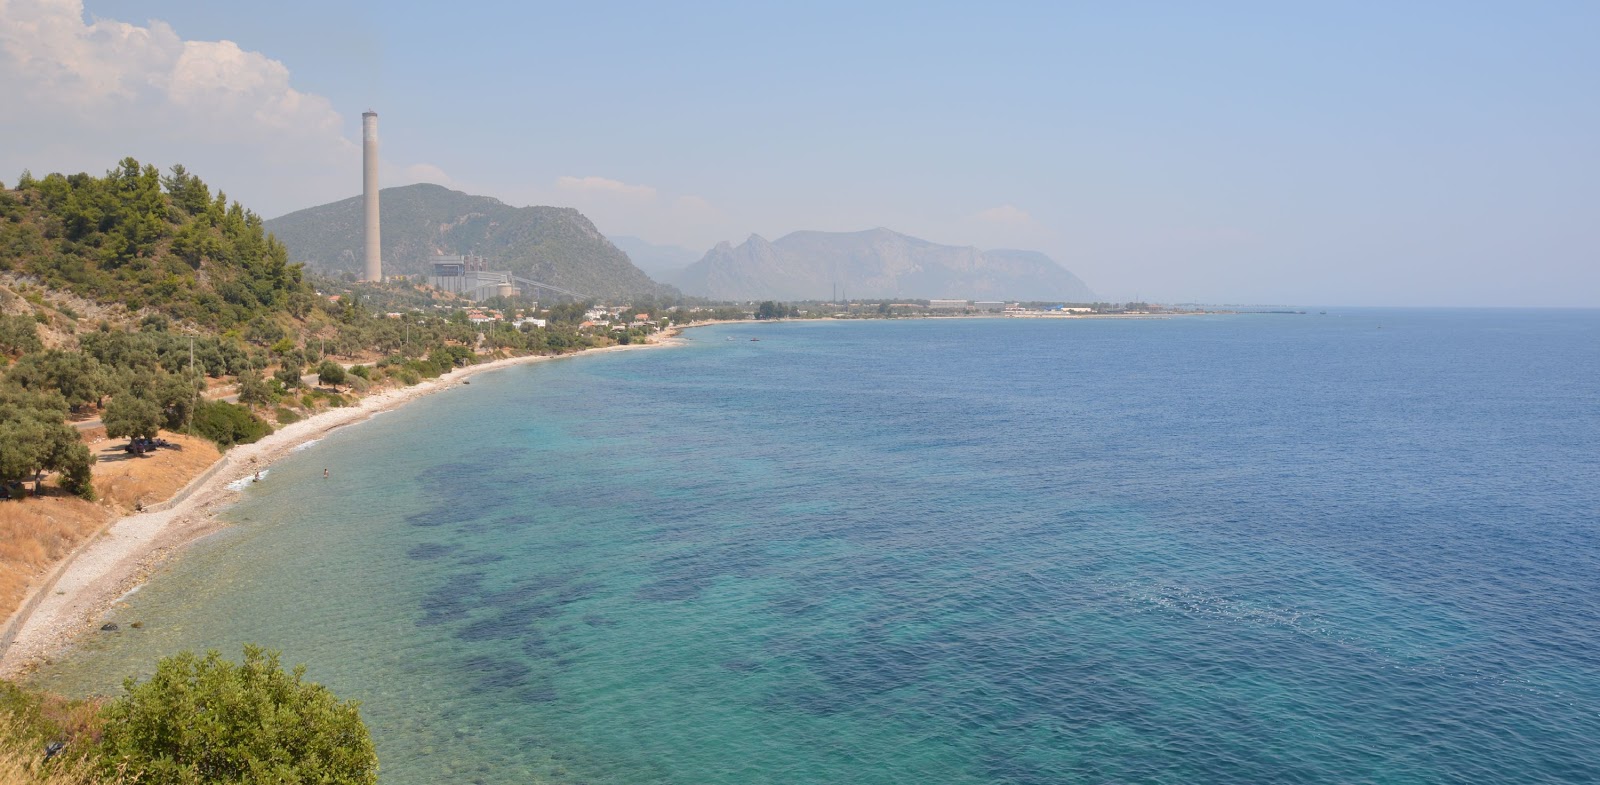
208	720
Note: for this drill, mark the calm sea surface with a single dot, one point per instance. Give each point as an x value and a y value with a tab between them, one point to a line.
1354	547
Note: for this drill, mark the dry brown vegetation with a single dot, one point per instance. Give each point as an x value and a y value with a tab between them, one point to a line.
124	481
30	720
36	533
23	763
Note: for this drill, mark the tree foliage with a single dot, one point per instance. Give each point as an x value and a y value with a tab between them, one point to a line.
34	439
142	239
79	377
209	720
330	373
19	334
774	310
130	416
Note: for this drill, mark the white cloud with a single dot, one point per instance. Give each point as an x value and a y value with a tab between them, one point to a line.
606	187
1005	215
80	94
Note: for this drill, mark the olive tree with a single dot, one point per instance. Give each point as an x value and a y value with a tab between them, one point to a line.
132	417
330	373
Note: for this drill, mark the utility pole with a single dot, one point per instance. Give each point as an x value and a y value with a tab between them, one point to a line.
188	413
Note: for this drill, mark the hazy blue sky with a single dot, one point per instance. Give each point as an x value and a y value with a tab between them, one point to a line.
1356	153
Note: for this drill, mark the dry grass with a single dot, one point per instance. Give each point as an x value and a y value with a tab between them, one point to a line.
30	720
26	766
36	533
123	481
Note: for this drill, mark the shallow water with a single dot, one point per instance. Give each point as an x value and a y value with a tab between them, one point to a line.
1255	548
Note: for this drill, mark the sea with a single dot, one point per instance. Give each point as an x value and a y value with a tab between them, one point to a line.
1340	546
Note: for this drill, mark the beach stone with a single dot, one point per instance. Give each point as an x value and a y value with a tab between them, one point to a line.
109	627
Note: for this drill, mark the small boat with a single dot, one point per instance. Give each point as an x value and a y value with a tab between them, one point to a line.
755	339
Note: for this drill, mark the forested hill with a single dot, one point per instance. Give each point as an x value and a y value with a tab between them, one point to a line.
145	240
554	245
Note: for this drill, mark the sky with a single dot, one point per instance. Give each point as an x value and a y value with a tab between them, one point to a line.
1419	153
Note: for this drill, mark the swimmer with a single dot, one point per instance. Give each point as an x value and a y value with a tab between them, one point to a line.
324	474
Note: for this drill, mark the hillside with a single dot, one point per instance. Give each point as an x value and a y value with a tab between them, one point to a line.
875	264
139	240
554	245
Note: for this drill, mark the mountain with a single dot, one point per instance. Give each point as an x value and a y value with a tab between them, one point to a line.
875	264
661	262
553	245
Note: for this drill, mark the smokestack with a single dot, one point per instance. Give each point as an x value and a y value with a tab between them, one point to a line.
369	190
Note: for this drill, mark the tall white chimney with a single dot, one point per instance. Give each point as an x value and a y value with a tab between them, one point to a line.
369	190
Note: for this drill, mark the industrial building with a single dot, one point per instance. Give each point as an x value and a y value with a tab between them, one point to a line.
470	277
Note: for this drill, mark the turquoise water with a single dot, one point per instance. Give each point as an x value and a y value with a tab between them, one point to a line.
1358	547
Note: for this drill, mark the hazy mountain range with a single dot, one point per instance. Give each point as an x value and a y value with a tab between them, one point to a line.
661	262
874	264
554	245
559	246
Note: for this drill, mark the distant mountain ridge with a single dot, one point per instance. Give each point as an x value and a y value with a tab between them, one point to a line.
660	262
554	245
875	264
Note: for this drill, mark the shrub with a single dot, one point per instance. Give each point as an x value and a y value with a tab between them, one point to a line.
361	371
209	720
286	416
228	424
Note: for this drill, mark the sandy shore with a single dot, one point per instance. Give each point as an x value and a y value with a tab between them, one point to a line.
131	549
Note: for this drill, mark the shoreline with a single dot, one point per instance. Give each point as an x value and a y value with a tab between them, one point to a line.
125	554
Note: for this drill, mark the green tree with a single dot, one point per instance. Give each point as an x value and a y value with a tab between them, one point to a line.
33	440
177	395
18	335
254	390
205	719
330	373
289	375
78	377
129	416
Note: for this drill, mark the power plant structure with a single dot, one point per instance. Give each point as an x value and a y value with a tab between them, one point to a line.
466	275
369	192
470	277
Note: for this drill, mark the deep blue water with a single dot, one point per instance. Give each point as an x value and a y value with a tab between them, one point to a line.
1359	547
